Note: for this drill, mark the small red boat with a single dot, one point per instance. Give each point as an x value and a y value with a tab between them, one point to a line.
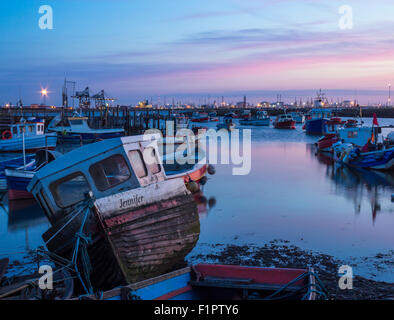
200	117
325	143
284	121
224	282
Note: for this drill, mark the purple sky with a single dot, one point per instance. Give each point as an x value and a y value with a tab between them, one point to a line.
195	49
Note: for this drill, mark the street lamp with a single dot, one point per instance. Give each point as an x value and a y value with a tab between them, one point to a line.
389	99
44	94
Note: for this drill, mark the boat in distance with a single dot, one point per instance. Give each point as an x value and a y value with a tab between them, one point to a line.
26	136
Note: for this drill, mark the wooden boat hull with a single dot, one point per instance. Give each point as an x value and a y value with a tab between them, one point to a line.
133	237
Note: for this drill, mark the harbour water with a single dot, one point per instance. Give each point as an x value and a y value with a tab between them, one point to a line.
291	194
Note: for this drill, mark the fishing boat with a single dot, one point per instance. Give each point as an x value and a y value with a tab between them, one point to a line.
298	117
260	119
200	117
213	117
76	129
19	178
356	136
26	136
12	163
116	193
317	120
181	122
284	121
222	282
226	123
381	159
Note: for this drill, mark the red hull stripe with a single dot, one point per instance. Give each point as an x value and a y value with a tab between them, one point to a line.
174	293
129	216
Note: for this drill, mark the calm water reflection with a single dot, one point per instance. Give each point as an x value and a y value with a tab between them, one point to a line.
291	193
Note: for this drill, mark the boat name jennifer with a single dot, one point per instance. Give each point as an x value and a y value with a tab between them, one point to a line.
135	200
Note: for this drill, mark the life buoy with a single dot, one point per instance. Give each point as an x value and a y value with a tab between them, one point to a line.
7	135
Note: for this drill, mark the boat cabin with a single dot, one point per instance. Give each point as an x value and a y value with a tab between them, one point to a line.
358	135
285	117
23	128
320	113
104	168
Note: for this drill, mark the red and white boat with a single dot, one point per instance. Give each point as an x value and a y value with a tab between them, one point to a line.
200	117
284	121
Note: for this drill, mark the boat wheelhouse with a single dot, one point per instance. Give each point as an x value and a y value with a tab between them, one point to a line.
315	123
77	129
284	121
26	136
141	223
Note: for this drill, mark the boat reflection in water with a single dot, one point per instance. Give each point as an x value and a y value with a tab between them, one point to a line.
359	184
204	205
24	215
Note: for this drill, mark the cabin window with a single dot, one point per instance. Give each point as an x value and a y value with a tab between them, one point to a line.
151	160
70	189
138	163
22	129
15	130
352	134
109	172
31	128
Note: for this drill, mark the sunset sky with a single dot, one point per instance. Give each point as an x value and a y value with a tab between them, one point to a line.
140	49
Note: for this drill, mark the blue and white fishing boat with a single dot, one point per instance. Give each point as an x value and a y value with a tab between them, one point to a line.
19	178
298	117
26	136
260	119
382	159
77	130
316	122
12	163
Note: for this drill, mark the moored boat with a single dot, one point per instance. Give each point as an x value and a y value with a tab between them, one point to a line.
284	121
116	191
19	178
223	282
12	163
316	122
298	117
77	129
260	119
382	159
26	137
226	123
200	117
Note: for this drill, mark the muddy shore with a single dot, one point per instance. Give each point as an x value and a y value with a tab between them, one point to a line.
282	254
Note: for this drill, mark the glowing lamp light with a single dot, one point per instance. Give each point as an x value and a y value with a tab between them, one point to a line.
44	92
